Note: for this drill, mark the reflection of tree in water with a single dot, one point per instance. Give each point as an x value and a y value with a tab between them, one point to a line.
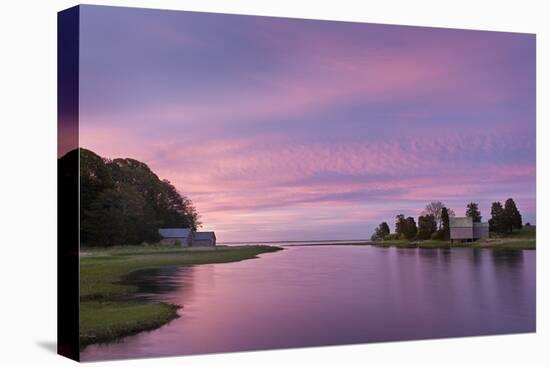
444	254
477	256
508	258
440	254
512	285
158	284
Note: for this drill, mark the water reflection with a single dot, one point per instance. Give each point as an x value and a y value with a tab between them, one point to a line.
326	295
161	284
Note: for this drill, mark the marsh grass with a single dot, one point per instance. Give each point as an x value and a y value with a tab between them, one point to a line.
105	312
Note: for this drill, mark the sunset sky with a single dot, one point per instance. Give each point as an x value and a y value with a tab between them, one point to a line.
286	129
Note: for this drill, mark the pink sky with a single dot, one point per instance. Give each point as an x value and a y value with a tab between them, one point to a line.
281	129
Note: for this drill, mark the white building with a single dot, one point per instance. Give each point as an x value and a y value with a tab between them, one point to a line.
464	229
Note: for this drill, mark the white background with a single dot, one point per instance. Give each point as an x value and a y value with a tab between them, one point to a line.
28	182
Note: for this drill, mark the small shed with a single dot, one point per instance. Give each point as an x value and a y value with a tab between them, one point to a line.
171	236
481	230
463	228
204	239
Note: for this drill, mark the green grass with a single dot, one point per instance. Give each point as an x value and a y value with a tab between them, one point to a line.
107	321
106	314
524	239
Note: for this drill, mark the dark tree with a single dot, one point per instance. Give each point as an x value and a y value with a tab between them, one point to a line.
381	232
400	225
446	224
124	202
497	223
95	178
473	212
426	226
115	218
384	229
411	229
512	216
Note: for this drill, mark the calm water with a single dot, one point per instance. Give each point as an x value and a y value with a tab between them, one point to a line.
327	295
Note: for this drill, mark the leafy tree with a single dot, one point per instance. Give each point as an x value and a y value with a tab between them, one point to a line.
446	230
115	217
497	223
435	208
512	216
385	228
381	232
95	178
405	227
410	228
426	226
123	202
176	210
400	224
473	212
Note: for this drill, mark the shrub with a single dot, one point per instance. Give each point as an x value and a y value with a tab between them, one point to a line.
391	237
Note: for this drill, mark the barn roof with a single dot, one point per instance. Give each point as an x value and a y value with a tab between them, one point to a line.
174	232
461	222
204	235
481	224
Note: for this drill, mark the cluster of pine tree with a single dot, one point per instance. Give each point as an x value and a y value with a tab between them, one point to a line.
381	232
405	227
434	223
427	226
123	202
505	219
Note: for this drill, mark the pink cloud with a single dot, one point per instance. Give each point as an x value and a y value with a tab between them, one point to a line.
272	179
332	72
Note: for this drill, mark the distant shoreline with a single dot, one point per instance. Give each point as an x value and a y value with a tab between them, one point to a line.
305	242
524	239
358	243
489	244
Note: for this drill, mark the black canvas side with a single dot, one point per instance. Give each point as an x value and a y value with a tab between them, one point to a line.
67	187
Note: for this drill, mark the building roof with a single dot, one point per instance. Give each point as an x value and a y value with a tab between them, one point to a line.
204	235
461	222
481	224
174	232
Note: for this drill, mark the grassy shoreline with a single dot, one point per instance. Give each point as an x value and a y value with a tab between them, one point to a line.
107	314
487	244
524	239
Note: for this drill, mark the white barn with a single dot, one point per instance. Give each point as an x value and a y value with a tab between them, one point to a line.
464	229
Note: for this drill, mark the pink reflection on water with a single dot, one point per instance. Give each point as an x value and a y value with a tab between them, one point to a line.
326	295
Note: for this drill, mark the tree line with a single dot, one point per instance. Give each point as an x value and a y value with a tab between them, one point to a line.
505	219
123	202
434	222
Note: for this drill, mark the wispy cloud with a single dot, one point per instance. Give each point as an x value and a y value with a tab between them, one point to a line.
276	128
